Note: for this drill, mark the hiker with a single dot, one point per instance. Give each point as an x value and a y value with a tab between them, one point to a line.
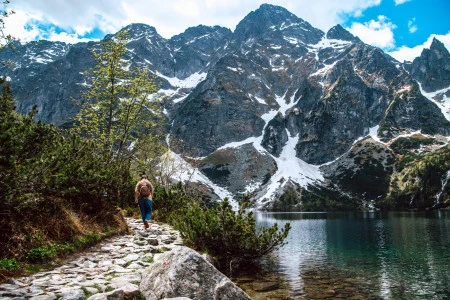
143	194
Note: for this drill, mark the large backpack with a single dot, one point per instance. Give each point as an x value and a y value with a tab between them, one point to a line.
145	191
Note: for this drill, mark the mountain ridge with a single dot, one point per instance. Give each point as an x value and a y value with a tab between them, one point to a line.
276	92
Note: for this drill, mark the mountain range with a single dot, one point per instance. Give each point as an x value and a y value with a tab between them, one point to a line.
297	118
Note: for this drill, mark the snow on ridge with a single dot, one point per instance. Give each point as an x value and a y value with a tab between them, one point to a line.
282	27
373	133
170	94
330	43
292	40
260	100
181	170
338	45
291	168
284	107
189	82
323	71
444	104
234	69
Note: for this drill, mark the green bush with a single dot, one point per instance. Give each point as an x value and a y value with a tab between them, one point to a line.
41	254
37	158
227	235
7	264
169	201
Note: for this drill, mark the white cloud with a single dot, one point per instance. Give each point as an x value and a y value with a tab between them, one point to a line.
411	26
171	17
398	2
377	33
409	53
15	25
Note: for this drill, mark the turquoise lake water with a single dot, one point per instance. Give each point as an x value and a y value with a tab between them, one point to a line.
371	255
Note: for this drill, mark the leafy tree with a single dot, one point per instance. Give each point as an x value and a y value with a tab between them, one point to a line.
119	107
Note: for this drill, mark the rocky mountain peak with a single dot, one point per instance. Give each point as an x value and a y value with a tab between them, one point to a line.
438	48
432	67
339	33
138	30
270	18
198	31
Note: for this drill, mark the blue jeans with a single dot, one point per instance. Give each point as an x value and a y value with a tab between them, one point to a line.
145	205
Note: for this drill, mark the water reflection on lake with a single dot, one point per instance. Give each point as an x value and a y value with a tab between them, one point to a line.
370	255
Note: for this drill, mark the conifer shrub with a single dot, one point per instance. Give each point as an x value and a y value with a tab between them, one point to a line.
229	236
55	186
170	201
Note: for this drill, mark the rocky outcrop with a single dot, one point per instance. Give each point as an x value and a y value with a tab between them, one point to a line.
197	48
412	111
238	168
339	33
364	172
432	67
183	272
275	136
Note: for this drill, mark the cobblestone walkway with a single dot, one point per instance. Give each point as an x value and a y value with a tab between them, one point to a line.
112	269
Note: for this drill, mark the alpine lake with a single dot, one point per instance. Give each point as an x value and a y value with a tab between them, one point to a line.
355	255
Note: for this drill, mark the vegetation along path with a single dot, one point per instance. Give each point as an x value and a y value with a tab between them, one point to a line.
114	266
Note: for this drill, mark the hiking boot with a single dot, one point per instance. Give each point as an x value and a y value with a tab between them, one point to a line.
146	224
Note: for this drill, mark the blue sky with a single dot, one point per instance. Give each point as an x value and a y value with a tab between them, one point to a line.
400	27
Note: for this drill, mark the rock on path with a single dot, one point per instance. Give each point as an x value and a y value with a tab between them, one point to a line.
112	270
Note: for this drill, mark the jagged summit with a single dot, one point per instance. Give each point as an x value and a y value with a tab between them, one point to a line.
270	18
137	30
198	32
438	46
432	67
339	33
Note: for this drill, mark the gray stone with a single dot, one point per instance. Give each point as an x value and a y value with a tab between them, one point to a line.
71	294
236	168
183	272
12	293
114	295
104	263
128	289
48	296
131	257
92	290
128	278
153	242
120	262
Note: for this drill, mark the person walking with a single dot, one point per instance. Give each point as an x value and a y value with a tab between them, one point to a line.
143	195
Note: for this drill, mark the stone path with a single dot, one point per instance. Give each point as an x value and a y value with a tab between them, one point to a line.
112	270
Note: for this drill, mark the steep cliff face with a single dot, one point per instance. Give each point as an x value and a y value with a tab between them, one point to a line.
283	99
432	67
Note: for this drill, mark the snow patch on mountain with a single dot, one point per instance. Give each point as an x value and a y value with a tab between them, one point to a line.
189	82
175	167
284	105
291	168
441	98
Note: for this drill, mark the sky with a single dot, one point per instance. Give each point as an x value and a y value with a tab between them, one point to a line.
401	28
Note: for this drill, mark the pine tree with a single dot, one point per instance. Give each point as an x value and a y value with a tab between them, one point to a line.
119	107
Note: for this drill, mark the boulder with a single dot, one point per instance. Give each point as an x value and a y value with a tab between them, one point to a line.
182	272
